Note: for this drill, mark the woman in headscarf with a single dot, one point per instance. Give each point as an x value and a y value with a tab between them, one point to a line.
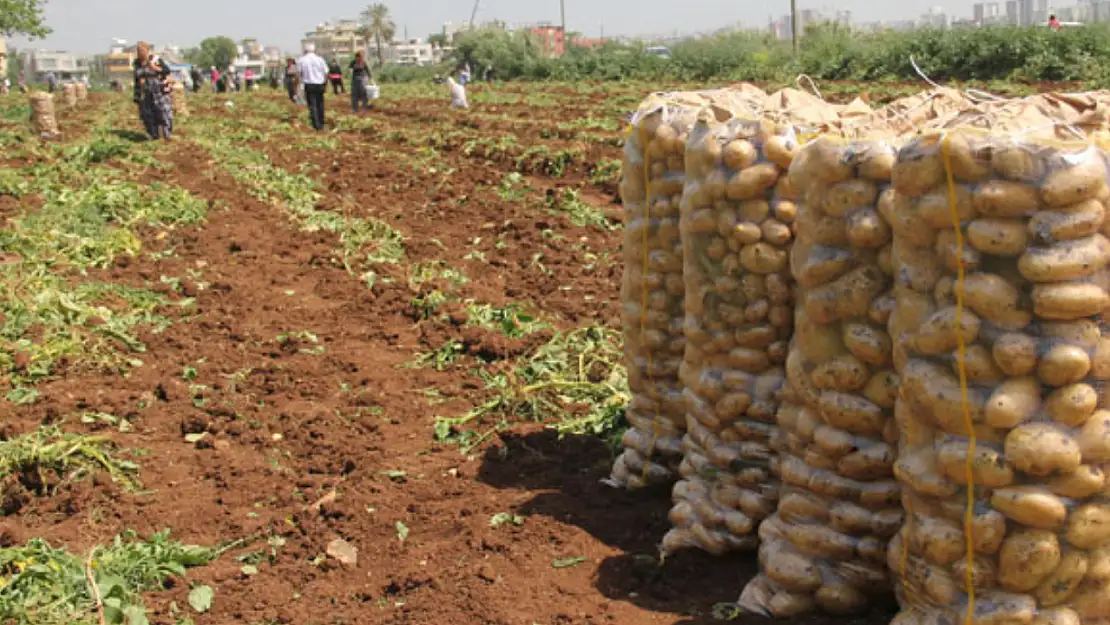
360	83
152	93
292	79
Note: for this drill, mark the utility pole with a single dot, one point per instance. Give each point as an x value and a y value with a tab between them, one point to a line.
563	23
794	25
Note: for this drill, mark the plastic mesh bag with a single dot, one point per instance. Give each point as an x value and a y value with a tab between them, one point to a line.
69	94
737	216
824	548
653	172
42	114
1001	342
178	101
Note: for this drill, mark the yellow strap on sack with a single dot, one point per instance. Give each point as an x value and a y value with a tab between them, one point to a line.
961	368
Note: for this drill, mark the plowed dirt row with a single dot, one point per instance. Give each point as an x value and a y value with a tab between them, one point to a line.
317	440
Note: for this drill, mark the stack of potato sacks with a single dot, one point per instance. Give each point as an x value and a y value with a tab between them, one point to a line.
69	94
1003	411
652	289
736	233
82	91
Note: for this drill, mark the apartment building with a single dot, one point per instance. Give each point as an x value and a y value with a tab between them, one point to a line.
116	65
551	38
410	52
336	39
66	66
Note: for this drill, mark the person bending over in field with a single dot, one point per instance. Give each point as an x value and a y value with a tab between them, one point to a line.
458	94
335	75
152	93
360	83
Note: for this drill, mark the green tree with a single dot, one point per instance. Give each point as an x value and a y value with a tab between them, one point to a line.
22	17
438	38
378	24
217	52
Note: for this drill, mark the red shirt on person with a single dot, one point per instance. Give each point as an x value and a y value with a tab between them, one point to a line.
1054	23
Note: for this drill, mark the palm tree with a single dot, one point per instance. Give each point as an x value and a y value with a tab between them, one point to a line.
376	23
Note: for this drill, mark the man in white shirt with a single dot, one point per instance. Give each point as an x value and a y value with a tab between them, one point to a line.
314	76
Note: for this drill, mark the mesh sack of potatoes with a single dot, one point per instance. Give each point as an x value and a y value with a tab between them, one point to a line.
69	94
653	172
1003	351
824	548
42	114
737	216
177	99
82	91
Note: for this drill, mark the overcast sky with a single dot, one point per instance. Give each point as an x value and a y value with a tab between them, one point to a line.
87	26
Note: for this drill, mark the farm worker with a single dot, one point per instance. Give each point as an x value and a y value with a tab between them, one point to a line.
7	86
51	81
458	94
360	83
464	74
1053	23
292	79
152	93
215	76
249	77
335	75
313	72
194	75
22	83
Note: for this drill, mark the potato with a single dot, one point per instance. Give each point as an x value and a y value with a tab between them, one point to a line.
882	389
752	182
811	538
1018	162
780	150
1064	580
918	470
999	608
851	412
841	599
989	469
984	572
738	154
1066	260
998	237
968	158
763	258
1100	359
1072	404
1027	557
1094	438
1030	505
869	344
978	365
931	388
1015	354
821	264
1075	184
938	540
919	268
1063	364
1083	333
1086	481
872	462
1003	198
1069	300
866	228
916	170
952	256
849	195
1056	616
1041	449
1089	601
843	373
940	332
1089	526
988	529
790	569
995	300
1074	222
934	209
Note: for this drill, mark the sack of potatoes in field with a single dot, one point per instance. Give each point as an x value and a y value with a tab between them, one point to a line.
82	91
738	212
1002	347
69	94
43	118
177	99
653	172
824	548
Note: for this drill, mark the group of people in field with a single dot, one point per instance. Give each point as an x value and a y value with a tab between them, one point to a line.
305	79
311	74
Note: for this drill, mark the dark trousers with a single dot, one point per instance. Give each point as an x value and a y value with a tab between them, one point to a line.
337	86
360	98
315	96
